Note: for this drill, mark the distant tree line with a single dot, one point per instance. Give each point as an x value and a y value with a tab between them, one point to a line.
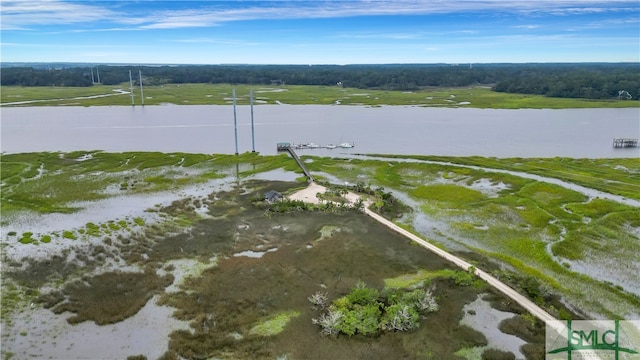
597	81
587	80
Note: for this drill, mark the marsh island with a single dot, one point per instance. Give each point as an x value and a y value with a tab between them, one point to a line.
175	255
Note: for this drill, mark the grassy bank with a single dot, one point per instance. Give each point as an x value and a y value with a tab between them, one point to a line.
220	94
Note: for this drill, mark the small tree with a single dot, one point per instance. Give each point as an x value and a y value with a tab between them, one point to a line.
329	322
365	311
319	300
400	317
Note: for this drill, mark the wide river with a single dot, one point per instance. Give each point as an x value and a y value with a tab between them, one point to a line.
577	133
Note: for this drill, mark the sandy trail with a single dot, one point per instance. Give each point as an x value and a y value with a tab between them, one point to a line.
308	194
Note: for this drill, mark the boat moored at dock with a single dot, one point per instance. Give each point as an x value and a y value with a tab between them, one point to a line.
312	145
625	143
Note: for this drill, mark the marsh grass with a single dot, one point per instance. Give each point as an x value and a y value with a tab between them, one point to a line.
48	182
110	297
608	234
68	234
280	282
24	93
525	220
242	293
274	324
457	196
514	227
220	94
424	278
619	176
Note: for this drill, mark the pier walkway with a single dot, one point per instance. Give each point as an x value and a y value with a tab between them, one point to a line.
287	147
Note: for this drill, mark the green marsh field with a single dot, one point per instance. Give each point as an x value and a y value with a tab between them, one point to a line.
219	94
99	239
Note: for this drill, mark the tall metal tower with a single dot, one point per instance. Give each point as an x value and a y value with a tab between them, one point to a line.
253	140
235	121
141	93
131	89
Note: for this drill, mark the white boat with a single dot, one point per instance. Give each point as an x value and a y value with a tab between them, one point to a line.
330	146
346	145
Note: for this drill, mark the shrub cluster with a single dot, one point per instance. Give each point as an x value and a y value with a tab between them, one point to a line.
383	202
290	206
366	311
539	292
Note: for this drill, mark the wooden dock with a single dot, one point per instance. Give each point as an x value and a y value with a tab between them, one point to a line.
287	147
625	143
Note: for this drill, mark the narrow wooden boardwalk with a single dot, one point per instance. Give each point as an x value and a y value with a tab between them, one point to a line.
529	305
297	159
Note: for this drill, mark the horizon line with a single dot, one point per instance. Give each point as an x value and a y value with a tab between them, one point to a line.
318	64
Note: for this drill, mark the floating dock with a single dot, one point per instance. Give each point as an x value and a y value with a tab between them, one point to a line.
316	146
625	143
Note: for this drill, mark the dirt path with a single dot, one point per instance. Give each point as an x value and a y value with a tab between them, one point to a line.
309	195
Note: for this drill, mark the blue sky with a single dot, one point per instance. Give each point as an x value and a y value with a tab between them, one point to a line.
320	32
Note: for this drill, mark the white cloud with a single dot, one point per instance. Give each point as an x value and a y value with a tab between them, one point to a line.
609	23
21	14
210	15
214	41
380	35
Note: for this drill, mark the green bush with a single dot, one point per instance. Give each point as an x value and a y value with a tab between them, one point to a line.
463	278
400	317
493	354
27	238
362	295
69	235
361	319
365	311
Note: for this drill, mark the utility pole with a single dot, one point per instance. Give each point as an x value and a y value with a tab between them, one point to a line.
141	93
131	89
253	140
235	121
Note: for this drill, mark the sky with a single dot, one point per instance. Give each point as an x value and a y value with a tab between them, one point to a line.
319	32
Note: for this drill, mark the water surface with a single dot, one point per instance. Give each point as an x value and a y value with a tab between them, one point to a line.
578	133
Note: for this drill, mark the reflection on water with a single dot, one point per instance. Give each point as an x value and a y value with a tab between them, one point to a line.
479	315
578	133
254	254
